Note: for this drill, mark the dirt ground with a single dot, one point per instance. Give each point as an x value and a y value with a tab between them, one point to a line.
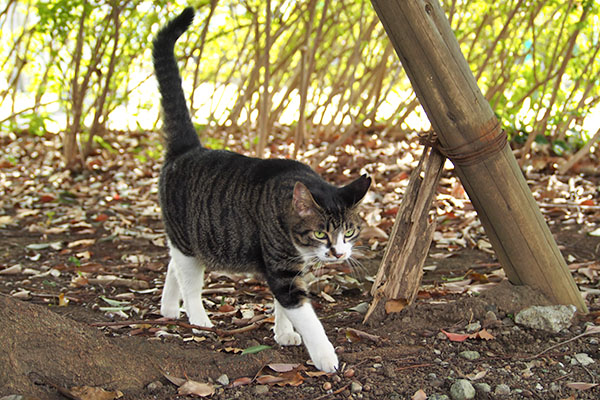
81	253
408	351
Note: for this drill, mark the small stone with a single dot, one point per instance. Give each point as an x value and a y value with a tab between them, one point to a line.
261	389
223	380
355	387
593	341
327	386
377	365
441	336
554	387
490	316
469	355
349	373
336	379
502	390
367	388
482	387
538	387
462	390
437	396
473	327
583	359
547	318
154	387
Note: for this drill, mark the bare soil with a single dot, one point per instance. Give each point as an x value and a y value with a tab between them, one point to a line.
47	347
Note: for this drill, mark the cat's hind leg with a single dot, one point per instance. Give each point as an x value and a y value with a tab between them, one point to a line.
284	330
190	277
171	295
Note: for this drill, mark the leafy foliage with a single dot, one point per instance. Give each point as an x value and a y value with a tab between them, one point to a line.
83	67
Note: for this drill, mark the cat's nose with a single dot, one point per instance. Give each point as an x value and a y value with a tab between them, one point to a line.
336	255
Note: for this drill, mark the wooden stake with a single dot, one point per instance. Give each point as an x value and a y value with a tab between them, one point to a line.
466	124
401	269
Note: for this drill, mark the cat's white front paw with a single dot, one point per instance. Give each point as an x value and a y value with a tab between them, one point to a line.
288	339
204	322
325	358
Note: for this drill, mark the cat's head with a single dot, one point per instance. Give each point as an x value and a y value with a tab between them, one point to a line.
326	223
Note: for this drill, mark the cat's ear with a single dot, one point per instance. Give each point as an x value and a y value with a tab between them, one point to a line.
303	201
353	192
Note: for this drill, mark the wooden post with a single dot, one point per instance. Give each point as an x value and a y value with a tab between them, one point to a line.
401	269
470	133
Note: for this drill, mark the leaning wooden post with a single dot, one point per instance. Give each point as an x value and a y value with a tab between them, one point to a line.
471	137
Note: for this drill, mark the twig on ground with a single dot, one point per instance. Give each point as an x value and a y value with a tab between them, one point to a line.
337	391
586	333
217	331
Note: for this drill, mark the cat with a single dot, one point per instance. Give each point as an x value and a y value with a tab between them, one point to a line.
224	211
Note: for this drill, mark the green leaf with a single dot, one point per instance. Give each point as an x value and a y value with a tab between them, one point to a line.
255	349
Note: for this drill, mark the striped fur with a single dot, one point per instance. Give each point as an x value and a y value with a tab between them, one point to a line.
271	217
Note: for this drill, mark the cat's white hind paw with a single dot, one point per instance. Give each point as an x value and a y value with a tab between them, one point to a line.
288	339
170	311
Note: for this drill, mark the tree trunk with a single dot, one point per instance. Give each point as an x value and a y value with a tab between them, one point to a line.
471	136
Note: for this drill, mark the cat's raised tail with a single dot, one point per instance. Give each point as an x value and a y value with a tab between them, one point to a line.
180	133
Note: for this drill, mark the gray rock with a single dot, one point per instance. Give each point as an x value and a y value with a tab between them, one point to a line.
502	390
154	387
469	355
355	387
548	318
483	387
473	327
462	390
582	359
437	396
261	389
223	380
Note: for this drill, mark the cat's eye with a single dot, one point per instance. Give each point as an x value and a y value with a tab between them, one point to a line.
319	235
349	233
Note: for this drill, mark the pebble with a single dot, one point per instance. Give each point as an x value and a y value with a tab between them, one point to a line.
593	341
483	387
469	355
437	396
502	390
223	380
355	387
377	365
582	359
473	327
462	390
154	387
261	389
327	386
349	373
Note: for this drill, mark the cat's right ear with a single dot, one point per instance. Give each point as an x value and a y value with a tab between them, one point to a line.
303	201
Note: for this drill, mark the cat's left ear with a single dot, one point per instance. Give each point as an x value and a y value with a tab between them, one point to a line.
353	192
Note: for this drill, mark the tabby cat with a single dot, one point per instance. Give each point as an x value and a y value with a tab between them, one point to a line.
225	211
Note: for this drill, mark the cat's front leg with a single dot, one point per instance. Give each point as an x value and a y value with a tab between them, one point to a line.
289	292
319	348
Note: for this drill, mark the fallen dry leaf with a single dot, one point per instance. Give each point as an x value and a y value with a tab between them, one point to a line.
281	367
354	335
197	388
419	395
461	337
581	385
93	393
395	305
241	381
